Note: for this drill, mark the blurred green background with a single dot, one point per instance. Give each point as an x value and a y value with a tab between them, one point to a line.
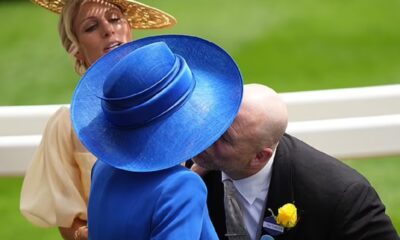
288	45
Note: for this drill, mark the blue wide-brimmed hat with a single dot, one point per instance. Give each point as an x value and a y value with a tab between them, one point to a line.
156	102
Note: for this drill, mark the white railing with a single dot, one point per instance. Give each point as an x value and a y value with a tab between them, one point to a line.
346	123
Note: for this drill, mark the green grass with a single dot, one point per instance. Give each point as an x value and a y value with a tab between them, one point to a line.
14	225
288	45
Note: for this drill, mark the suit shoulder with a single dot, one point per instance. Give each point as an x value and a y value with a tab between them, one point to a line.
311	162
317	176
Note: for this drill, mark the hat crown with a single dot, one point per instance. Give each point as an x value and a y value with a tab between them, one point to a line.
138	71
148	84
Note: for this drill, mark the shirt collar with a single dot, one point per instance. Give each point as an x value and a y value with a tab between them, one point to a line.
255	186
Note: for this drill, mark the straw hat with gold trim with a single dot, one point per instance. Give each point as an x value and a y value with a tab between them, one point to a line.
139	15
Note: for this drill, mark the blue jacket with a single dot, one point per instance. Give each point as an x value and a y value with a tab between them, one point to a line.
167	204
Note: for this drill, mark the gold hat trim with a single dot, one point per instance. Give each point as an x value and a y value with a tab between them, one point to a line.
139	15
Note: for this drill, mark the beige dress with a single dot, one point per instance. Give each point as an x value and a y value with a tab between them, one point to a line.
57	181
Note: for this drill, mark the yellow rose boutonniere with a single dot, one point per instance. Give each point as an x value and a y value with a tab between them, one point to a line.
287	215
287	218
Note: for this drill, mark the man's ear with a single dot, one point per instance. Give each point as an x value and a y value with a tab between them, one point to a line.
261	158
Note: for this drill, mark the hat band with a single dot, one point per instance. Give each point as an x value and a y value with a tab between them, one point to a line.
169	94
143	96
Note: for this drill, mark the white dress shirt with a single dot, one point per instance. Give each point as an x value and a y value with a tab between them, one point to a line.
253	192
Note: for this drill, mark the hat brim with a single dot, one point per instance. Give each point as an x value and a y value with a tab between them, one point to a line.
139	15
190	130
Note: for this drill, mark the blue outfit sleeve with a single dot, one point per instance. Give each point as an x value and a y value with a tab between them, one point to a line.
181	210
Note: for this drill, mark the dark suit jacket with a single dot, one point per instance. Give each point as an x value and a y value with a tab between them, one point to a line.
333	200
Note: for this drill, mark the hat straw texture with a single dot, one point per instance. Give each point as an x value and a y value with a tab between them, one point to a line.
139	15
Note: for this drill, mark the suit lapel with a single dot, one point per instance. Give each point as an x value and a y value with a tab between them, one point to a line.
281	186
280	191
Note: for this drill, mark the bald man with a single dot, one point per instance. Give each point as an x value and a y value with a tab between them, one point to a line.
269	168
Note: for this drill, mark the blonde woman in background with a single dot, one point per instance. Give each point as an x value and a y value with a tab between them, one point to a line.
57	182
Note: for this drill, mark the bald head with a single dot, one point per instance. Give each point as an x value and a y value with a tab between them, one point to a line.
246	147
263	114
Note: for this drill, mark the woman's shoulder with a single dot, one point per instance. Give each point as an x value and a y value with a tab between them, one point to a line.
183	172
61	114
60	119
185	178
58	126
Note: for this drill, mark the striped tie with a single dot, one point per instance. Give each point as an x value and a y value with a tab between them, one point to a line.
235	227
